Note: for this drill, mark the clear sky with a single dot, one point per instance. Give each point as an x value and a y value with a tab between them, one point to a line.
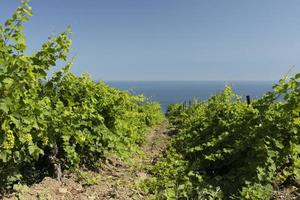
172	39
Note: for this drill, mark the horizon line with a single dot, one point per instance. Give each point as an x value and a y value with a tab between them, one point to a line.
186	80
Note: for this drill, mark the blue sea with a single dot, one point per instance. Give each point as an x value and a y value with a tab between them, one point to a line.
168	92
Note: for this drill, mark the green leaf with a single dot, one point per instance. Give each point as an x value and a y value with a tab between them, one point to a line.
4	107
8	82
31	149
297	121
3	156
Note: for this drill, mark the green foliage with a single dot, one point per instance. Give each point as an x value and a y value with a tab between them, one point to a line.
71	120
228	149
257	191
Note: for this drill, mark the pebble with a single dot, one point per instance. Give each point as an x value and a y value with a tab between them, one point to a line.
62	190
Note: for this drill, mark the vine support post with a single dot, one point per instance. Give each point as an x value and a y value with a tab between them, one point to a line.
248	99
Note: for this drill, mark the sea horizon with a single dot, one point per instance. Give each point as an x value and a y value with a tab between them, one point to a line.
169	92
189	80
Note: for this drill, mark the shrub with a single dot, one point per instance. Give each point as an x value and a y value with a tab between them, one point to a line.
66	120
231	149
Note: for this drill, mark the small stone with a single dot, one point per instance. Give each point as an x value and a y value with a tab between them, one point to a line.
91	197
62	190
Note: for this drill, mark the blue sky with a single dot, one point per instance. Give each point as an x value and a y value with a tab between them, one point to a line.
172	39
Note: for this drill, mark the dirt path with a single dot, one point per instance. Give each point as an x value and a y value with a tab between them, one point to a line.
116	179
